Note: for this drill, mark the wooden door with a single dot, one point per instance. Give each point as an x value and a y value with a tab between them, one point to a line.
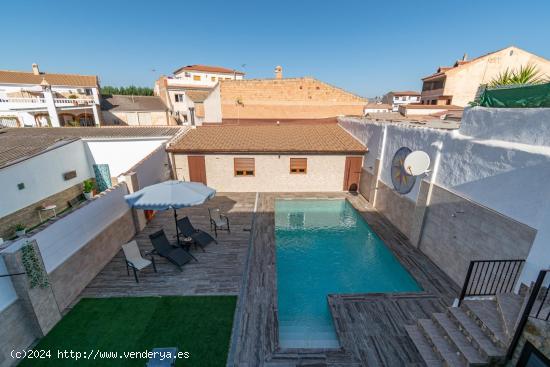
352	173
197	168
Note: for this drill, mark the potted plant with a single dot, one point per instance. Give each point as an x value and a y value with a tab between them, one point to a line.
20	229
88	189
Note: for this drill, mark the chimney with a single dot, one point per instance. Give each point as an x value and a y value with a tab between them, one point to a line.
279	72
35	69
465	57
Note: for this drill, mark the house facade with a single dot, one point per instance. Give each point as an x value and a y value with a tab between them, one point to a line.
135	111
377	108
269	158
236	101
460	84
399	98
37	98
186	89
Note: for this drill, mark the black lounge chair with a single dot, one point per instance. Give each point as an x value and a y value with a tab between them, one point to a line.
199	237
162	247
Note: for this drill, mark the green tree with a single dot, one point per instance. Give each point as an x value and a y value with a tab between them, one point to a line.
130	90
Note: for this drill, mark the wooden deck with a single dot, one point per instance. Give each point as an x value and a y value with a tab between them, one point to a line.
218	272
370	326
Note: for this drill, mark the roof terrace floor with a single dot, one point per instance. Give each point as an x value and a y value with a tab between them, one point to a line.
370	326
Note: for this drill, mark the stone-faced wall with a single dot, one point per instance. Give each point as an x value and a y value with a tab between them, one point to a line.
536	332
70	278
366	185
457	230
16	332
29	215
397	208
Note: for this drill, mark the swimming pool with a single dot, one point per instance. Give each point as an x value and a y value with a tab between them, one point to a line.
324	247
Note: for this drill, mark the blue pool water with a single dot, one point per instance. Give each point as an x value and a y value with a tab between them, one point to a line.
324	247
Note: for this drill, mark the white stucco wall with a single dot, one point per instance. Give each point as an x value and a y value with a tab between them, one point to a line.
499	169
119	154
42	176
7	292
324	173
61	239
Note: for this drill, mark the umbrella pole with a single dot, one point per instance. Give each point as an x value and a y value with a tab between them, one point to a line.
176	223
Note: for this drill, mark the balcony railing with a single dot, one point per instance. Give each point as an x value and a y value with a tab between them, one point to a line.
41	100
490	277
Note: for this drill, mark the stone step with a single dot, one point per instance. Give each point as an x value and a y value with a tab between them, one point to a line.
444	349
509	306
469	354
423	346
485	313
475	335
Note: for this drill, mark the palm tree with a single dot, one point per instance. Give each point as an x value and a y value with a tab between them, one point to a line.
528	74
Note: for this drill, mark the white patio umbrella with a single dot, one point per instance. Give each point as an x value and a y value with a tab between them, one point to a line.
170	195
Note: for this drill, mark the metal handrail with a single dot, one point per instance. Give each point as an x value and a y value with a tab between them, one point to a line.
490	277
535	290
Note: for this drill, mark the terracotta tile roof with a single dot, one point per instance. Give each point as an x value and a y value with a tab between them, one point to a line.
21	77
18	144
324	138
15	148
121	103
208	69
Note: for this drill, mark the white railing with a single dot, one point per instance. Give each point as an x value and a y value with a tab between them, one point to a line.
40	100
22	100
74	101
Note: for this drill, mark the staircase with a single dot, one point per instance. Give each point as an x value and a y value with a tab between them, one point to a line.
475	334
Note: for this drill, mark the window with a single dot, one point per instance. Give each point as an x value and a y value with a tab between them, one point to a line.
187	75
298	165
244	166
213	78
197	78
179	97
88	91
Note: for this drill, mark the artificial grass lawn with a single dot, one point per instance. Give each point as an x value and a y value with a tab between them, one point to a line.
198	325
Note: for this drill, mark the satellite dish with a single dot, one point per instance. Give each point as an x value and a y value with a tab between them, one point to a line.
403	182
417	163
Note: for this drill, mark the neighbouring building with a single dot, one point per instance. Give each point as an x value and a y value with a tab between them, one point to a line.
396	98
279	99
36	98
269	158
186	89
377	108
45	167
135	110
460	84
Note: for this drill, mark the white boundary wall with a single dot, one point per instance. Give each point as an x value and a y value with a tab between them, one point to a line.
153	169
7	292
120	154
507	170
61	239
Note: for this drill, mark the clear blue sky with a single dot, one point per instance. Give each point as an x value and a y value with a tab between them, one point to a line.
363	46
